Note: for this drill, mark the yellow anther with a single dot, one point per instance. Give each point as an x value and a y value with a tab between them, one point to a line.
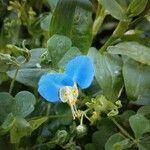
74	91
66	94
73	102
95	114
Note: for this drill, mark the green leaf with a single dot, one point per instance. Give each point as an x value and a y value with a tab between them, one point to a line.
124	118
30	72
28	76
24	104
100	137
139	125
9	121
117	142
114	9
89	146
136	7
136	78
3	67
86	4
36	122
52	3
77	24
58	45
123	3
7	124
6	101
144	143
20	129
70	54
35	58
64	113
108	73
133	50
45	22
61	21
3	77
143	99
81	33
144	110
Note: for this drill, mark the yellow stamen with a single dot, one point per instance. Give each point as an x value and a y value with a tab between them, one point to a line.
73	102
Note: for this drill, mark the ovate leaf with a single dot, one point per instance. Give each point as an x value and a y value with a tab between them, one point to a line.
45	22
9	121
64	113
108	73
136	7
70	54
35	58
136	78
24	104
144	143
52	3
144	110
117	142
28	76
77	24
81	33
61	22
35	123
7	124
58	45
133	50
20	129
106	129
113	7
139	125
6	101
143	99
86	4
30	73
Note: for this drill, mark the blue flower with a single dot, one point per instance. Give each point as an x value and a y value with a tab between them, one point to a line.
54	87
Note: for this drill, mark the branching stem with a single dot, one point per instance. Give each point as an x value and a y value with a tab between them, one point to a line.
122	129
14	79
118	32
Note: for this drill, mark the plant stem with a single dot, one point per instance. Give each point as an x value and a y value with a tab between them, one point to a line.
48	109
122	129
100	16
43	144
13	81
118	32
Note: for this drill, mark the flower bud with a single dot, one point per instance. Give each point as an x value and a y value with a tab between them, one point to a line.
61	136
81	130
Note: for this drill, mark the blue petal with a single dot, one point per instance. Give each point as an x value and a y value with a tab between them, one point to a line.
50	84
81	69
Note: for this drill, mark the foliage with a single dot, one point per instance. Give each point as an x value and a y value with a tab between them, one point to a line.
43	36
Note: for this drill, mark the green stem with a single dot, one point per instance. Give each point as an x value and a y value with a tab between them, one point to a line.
122	129
43	144
48	109
118	32
13	81
100	16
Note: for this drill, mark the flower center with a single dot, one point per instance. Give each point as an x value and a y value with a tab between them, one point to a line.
70	94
